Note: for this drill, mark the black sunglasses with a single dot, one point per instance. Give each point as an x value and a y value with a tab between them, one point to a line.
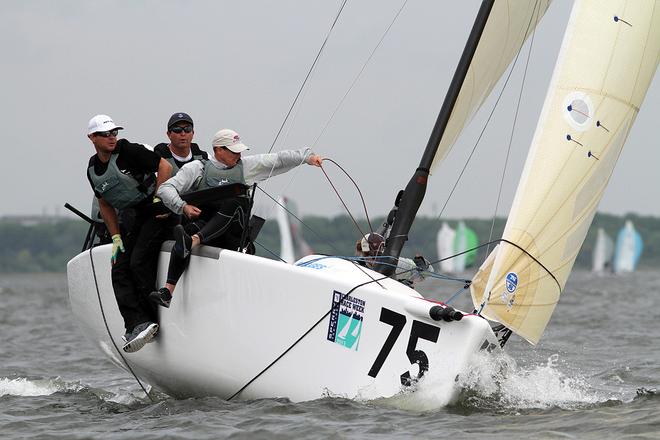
107	134
178	130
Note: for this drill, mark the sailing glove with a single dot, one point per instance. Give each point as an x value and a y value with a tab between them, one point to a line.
117	246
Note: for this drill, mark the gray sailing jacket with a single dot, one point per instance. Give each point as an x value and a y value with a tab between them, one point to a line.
256	168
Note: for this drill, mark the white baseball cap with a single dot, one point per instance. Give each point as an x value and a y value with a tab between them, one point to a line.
229	139
101	123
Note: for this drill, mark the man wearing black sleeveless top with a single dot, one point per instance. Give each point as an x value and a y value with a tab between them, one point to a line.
121	174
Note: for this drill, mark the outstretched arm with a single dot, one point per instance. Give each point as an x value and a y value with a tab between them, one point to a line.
262	166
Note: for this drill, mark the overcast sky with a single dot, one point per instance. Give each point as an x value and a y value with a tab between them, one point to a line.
239	64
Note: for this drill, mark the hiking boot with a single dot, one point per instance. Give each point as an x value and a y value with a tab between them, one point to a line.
162	297
182	242
141	334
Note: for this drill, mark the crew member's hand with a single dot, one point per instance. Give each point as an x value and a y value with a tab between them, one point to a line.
191	211
117	246
315	160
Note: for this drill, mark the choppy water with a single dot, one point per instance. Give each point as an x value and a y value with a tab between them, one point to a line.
594	375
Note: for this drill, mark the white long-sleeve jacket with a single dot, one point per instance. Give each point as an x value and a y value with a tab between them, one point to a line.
256	168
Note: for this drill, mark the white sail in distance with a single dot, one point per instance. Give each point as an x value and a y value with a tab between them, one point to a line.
603	251
509	24
287	252
445	243
607	60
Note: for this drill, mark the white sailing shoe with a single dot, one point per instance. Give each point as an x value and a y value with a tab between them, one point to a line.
141	334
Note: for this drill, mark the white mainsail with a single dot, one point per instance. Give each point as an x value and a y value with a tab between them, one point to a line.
608	57
603	251
509	24
445	243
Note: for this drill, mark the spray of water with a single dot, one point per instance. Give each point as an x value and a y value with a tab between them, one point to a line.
40	387
495	382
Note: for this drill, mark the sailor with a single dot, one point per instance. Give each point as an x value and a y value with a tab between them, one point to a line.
369	250
180	150
222	221
122	176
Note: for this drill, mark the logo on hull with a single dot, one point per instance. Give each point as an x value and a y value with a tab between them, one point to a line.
346	320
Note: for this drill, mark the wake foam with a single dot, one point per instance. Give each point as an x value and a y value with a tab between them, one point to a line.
38	387
495	381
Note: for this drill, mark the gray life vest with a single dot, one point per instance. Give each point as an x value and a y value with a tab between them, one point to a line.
175	167
121	190
214	176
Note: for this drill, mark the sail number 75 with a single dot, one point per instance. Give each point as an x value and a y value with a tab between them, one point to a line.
419	330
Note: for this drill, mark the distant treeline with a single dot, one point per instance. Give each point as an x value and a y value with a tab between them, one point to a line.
46	247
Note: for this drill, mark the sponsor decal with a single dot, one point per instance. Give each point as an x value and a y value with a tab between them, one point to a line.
346	320
511	282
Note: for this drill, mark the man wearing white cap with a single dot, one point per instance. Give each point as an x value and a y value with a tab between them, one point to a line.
121	174
220	222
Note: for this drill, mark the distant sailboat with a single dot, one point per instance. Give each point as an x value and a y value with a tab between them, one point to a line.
603	252
628	249
292	245
445	243
464	240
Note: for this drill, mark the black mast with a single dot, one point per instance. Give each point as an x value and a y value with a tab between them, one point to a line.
408	203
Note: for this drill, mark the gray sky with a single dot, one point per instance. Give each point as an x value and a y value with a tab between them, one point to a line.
239	64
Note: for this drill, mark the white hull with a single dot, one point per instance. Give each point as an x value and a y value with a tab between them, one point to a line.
234	314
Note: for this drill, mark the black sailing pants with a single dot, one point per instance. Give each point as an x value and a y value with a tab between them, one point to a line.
134	273
224	229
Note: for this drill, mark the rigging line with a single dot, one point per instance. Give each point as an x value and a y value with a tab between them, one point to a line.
342	202
334	306
506	82
513	128
270	252
107	328
318	55
344	296
364	205
500	240
341	300
355	80
325	240
453	297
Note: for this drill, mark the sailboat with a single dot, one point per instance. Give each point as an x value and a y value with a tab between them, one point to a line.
603	252
292	244
628	249
247	327
445	243
465	247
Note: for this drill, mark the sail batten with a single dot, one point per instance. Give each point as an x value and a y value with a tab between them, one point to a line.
603	71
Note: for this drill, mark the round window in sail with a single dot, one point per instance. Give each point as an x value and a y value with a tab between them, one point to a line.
578	110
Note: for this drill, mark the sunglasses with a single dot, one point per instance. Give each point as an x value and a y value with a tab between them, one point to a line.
179	130
107	134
